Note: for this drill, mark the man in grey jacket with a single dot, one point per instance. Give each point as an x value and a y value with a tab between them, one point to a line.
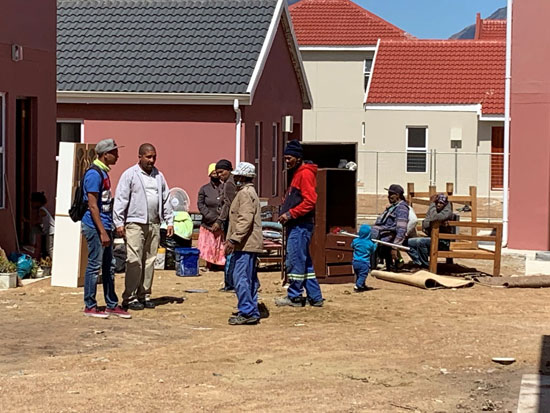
141	204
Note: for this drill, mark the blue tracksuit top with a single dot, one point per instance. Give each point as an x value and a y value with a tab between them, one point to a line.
363	247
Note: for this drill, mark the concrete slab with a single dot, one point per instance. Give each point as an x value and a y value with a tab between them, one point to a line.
534	394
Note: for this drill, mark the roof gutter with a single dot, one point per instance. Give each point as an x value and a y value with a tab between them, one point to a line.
506	166
151	98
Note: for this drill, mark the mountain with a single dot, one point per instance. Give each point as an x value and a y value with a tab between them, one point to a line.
470	31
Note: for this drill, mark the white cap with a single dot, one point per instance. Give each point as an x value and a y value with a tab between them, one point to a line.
245	169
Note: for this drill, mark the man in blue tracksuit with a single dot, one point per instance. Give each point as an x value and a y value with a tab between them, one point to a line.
363	250
297	214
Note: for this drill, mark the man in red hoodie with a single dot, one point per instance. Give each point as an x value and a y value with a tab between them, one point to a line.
297	214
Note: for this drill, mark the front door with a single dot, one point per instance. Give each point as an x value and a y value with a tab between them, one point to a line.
24	169
497	157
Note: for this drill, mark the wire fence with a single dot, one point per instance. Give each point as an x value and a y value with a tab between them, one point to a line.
377	170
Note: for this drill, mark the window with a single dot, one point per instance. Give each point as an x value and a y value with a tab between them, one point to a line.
2	146
417	149
68	131
367	69
363	133
258	154
274	160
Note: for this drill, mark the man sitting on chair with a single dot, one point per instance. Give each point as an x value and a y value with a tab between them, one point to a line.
440	210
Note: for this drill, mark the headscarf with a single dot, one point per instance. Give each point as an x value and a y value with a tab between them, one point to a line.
211	168
442	198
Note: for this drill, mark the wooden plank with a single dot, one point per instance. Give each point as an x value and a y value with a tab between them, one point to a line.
461	199
469	254
462	246
449	188
489	225
420	201
464	237
345	269
338	256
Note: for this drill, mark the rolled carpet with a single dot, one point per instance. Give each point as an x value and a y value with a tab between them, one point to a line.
423	279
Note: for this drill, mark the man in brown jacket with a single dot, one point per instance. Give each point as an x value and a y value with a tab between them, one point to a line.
244	241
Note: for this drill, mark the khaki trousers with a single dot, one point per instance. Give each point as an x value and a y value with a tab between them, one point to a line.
142	242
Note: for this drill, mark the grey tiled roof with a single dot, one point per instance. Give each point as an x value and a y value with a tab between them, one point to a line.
164	46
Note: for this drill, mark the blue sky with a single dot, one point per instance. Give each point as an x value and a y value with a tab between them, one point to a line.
431	18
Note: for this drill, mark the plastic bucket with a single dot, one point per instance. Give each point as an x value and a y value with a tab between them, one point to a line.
187	262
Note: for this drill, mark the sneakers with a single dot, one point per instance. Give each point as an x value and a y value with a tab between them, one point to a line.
134	306
357	289
149	304
95	312
226	290
118	312
241	320
291	302
319	303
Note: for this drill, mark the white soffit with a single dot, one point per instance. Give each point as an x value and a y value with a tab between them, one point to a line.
424	108
338	48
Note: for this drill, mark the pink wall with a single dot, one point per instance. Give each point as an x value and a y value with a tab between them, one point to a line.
278	94
187	138
530	127
33	77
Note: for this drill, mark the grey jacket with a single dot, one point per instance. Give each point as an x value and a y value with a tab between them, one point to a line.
229	192
131	200
432	215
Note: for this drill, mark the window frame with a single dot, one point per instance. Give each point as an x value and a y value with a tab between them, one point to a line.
275	159
258	154
363	133
415	149
64	120
367	74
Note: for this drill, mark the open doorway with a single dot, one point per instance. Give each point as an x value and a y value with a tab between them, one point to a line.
24	167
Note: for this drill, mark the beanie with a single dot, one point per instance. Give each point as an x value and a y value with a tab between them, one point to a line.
224	164
294	148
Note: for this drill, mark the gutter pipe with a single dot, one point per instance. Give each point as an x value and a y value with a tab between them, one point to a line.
506	166
237	131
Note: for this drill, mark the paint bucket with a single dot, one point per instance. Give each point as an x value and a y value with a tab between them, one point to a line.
161	259
187	262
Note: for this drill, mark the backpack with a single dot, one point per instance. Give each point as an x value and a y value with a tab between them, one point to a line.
79	206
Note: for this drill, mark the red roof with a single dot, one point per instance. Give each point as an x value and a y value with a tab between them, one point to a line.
340	23
490	29
440	72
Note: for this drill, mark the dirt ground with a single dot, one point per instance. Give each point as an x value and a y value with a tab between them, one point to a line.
392	349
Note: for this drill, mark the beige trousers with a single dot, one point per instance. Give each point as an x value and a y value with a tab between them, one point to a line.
142	242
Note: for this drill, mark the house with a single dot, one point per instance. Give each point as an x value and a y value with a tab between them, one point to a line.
27	113
201	81
404	100
490	29
338	40
529	220
438	105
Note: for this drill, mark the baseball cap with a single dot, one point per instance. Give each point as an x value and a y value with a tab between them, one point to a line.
396	189
106	145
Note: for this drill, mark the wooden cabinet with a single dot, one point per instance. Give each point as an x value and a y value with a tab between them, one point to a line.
336	208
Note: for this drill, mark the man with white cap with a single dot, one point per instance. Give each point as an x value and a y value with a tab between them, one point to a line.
97	228
245	241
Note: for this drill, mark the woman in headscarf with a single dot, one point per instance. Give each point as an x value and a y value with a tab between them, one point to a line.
440	210
211	242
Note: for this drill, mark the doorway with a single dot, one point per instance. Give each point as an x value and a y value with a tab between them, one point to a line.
24	167
497	157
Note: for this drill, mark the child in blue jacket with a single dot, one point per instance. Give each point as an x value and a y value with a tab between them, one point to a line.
363	249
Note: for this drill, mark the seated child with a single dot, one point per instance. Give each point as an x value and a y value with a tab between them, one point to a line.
363	249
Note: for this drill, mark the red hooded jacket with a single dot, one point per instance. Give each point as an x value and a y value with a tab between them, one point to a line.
301	196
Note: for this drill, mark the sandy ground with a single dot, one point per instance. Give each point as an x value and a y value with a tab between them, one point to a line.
392	349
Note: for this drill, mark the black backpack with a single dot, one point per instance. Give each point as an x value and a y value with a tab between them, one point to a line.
79	206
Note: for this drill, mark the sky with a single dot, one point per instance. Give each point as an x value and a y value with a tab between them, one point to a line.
431	18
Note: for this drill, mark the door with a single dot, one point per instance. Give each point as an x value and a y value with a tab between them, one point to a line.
497	157
24	169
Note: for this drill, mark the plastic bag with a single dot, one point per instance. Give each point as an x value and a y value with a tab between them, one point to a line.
24	263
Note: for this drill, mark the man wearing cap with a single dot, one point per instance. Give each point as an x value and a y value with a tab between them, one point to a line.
391	226
440	210
97	229
141	205
244	242
224	168
297	214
